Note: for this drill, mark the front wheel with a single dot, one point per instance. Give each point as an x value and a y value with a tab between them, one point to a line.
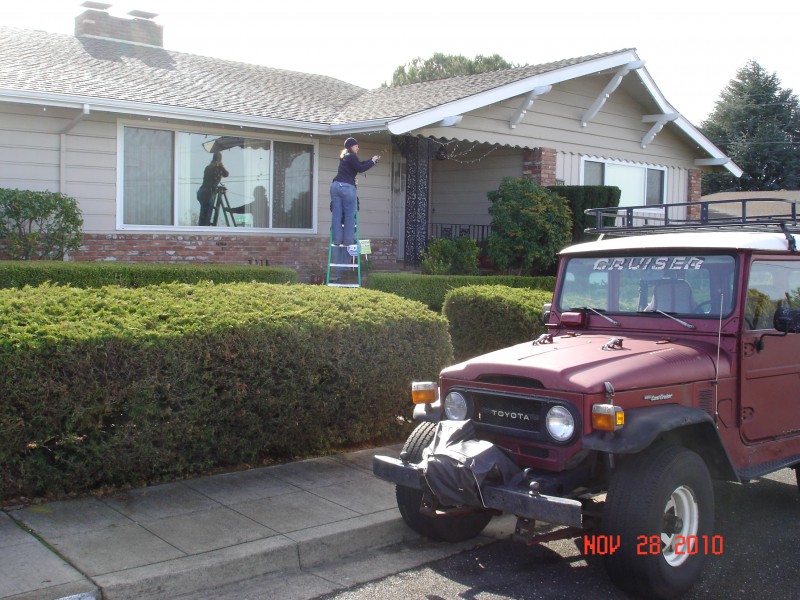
660	506
445	527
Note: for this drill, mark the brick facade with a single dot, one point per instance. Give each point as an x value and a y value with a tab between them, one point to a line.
539	164
694	192
307	255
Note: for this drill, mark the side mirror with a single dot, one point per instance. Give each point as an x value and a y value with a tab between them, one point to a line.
787	320
546	312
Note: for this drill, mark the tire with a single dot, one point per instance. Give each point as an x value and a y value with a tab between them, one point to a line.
654	499
444	528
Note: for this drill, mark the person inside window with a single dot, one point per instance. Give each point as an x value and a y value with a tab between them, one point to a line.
212	176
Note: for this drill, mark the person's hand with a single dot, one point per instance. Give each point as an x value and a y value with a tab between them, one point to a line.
375	158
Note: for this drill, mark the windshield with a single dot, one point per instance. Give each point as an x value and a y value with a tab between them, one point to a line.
694	285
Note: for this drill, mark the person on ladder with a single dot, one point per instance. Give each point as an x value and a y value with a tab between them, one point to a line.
344	203
212	176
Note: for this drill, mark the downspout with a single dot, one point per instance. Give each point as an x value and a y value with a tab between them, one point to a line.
62	147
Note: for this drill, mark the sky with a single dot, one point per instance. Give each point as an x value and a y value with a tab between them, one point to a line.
692	49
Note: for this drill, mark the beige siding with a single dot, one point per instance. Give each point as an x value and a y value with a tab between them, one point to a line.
458	191
554	121
31	150
373	190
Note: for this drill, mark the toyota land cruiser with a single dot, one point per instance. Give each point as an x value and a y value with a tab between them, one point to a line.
669	360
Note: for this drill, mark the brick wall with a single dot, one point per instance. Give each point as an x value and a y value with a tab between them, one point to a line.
539	164
694	192
308	255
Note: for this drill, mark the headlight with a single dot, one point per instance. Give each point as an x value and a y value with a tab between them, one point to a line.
455	406
560	424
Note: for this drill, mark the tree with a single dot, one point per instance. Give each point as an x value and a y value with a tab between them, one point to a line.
756	124
442	66
530	224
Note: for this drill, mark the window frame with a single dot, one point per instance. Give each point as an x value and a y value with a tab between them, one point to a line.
647	167
211	132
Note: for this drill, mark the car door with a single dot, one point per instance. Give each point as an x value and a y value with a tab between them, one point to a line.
770	383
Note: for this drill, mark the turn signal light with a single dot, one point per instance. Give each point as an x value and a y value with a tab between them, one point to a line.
607	417
424	392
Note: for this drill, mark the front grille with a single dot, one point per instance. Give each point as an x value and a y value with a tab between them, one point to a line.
508	411
520	416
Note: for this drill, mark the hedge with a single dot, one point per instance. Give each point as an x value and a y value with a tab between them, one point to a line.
432	289
117	387
581	197
16	274
489	317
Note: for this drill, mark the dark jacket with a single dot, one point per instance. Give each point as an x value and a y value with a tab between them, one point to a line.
350	166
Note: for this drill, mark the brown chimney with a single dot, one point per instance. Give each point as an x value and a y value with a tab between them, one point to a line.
96	22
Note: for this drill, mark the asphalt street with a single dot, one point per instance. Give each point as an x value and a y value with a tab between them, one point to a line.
758	523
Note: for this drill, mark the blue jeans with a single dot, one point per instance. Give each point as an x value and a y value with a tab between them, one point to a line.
343	211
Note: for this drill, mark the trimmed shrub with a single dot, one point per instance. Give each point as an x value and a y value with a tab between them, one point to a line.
38	225
16	274
530	225
432	289
116	386
581	197
444	256
489	317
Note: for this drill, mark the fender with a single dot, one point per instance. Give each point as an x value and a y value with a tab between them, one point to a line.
643	426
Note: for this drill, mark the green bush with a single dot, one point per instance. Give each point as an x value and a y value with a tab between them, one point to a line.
16	274
444	256
530	225
38	225
489	317
117	386
432	289
581	197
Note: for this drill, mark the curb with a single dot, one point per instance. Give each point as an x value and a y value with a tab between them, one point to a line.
300	550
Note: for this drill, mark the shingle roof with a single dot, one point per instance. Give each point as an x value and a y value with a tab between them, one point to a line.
85	67
409	99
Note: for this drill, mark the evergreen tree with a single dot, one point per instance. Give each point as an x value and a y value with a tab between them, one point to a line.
442	66
756	124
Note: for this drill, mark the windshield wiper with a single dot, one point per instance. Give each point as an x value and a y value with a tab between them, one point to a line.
597	312
676	319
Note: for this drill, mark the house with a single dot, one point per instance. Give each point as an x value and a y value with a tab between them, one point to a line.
112	118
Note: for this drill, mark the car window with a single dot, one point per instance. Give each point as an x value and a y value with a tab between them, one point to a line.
772	284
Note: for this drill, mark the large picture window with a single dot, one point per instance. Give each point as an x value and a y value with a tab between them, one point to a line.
170	176
640	185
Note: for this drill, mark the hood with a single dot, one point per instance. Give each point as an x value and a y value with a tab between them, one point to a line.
581	364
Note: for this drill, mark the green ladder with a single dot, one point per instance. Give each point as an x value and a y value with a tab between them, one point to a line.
354	266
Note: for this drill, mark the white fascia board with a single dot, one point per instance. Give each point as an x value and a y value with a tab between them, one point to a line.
683	123
517	88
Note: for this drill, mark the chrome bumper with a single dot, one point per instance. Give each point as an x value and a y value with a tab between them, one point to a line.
514	500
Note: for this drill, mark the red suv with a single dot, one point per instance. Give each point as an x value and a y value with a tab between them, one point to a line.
669	360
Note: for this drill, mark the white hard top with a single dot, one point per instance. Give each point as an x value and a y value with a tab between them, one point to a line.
718	240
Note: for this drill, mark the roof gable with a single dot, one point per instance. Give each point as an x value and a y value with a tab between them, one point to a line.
130	78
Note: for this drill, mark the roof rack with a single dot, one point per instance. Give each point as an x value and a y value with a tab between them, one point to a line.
751	214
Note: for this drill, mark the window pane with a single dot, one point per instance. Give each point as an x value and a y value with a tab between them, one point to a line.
242	199
292	197
630	180
655	186
592	173
147	179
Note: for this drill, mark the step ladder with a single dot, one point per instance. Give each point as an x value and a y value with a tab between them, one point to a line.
346	262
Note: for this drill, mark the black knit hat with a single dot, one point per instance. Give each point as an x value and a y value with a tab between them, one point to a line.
350	142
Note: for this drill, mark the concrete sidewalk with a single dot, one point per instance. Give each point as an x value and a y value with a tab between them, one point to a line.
189	537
